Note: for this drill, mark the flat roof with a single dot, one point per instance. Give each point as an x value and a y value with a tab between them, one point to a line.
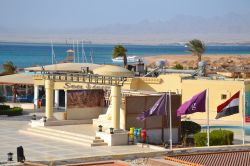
65	67
20	78
231	158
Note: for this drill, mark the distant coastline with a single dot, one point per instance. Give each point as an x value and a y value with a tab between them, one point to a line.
138	44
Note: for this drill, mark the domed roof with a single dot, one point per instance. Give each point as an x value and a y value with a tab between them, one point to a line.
112	70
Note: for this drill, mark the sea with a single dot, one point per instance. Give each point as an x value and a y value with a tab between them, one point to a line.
32	54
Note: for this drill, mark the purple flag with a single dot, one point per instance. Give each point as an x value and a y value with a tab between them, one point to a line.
158	109
195	104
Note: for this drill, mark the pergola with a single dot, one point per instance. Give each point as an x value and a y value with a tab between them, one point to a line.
16	81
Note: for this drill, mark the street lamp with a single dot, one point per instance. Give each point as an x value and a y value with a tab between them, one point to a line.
100	128
111	130
44	119
34	117
10	156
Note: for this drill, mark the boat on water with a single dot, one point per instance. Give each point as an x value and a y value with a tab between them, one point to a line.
130	59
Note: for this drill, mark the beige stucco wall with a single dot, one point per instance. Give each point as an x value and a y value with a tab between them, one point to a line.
215	89
188	88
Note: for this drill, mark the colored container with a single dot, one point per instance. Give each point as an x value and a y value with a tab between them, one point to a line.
135	131
131	130
144	133
139	131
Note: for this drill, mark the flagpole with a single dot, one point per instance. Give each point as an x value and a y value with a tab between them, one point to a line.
170	121
208	130
243	116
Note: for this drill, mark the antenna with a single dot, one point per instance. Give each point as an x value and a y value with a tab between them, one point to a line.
84	58
74	50
53	55
77	53
91	55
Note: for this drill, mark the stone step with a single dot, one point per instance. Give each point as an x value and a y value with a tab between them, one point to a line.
64	136
99	144
55	134
64	132
54	138
98	141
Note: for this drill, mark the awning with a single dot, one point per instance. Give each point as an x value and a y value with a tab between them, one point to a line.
21	78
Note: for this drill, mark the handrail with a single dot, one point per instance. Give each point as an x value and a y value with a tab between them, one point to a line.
85	78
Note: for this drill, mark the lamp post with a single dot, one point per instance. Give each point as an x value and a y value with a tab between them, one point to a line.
100	128
111	130
34	117
44	119
10	156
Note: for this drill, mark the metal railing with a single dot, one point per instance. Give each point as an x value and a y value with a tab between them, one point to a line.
85	78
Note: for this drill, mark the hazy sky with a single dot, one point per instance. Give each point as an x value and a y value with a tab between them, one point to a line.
49	15
92	13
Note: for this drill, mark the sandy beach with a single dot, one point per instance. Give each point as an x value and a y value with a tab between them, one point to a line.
211	59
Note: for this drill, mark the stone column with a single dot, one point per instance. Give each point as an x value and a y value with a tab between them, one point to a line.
36	95
56	98
116	101
49	86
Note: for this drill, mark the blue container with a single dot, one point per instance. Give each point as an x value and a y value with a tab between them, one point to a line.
135	131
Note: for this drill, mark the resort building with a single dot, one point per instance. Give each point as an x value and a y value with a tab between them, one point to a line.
113	97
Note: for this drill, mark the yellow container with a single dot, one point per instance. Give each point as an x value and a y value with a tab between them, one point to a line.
131	130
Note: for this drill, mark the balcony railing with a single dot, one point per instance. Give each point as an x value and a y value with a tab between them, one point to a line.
83	78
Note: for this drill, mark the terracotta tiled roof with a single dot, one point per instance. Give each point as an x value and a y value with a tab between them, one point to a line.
236	158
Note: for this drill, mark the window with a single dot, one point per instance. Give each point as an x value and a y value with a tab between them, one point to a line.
223	96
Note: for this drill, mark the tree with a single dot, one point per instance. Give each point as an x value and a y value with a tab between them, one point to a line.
120	51
196	47
9	68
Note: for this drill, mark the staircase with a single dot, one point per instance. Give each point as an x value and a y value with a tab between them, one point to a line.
64	136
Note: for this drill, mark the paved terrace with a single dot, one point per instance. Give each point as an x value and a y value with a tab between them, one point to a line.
41	149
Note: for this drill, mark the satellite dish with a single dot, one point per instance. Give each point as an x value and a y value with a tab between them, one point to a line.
160	63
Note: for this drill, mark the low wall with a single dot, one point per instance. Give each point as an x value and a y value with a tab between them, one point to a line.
25	106
83	113
154	135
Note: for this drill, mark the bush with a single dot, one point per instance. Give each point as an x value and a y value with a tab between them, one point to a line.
2	99
4	107
178	66
15	111
217	137
200	139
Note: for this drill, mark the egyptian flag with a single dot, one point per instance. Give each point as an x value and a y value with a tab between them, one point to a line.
230	107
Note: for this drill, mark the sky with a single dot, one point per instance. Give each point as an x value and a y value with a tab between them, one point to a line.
34	17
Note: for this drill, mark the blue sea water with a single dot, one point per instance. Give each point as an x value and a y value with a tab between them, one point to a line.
26	55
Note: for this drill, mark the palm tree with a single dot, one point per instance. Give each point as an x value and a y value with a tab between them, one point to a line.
120	51
9	68
196	47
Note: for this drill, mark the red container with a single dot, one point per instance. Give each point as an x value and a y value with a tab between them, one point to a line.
143	133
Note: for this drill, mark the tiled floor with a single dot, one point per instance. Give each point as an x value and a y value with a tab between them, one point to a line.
37	149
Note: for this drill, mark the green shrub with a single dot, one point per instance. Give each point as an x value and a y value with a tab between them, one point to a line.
217	137
15	111
4	107
178	66
200	139
2	99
